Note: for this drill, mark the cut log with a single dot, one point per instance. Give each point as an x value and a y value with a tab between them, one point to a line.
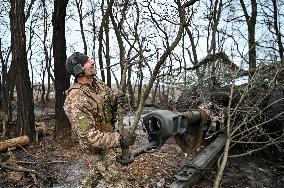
14	142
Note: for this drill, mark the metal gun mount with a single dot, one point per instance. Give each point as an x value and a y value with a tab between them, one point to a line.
163	124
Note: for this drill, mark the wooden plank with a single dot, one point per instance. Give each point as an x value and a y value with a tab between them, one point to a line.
190	174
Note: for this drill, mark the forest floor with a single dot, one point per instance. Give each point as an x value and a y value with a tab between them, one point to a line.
65	166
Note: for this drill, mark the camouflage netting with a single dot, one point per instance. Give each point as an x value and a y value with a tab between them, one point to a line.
257	110
276	106
189	99
214	101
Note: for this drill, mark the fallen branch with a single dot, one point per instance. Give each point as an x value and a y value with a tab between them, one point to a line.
22	169
34	162
28	152
254	150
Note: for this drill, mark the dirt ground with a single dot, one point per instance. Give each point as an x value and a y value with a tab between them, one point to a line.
64	165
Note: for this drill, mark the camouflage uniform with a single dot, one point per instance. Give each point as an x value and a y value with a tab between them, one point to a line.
89	109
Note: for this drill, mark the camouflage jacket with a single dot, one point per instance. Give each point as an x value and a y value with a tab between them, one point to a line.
89	110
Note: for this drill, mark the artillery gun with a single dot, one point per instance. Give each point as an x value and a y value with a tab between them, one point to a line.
188	129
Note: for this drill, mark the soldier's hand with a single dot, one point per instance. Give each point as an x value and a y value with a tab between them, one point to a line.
127	139
120	99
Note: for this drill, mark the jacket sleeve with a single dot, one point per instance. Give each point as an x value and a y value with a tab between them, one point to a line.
79	111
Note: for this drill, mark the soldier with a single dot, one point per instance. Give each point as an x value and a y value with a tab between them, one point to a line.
91	108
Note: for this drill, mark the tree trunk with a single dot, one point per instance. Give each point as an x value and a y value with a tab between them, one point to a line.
104	25
45	95
140	82
216	19
155	92
277	32
25	105
4	93
80	12
107	56
62	78
50	77
9	92
42	95
251	22
130	88
100	51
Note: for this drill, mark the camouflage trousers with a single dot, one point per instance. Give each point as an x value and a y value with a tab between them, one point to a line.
105	172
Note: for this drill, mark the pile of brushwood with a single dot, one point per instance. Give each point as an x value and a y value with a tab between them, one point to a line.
254	110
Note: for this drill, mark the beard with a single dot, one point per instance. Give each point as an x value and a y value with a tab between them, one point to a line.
90	73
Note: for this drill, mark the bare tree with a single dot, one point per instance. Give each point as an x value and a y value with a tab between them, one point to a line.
47	51
6	90
29	50
25	105
163	57
251	22
277	30
273	23
79	4
214	19
62	125
104	28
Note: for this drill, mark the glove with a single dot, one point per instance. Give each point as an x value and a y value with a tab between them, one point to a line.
119	100
127	139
